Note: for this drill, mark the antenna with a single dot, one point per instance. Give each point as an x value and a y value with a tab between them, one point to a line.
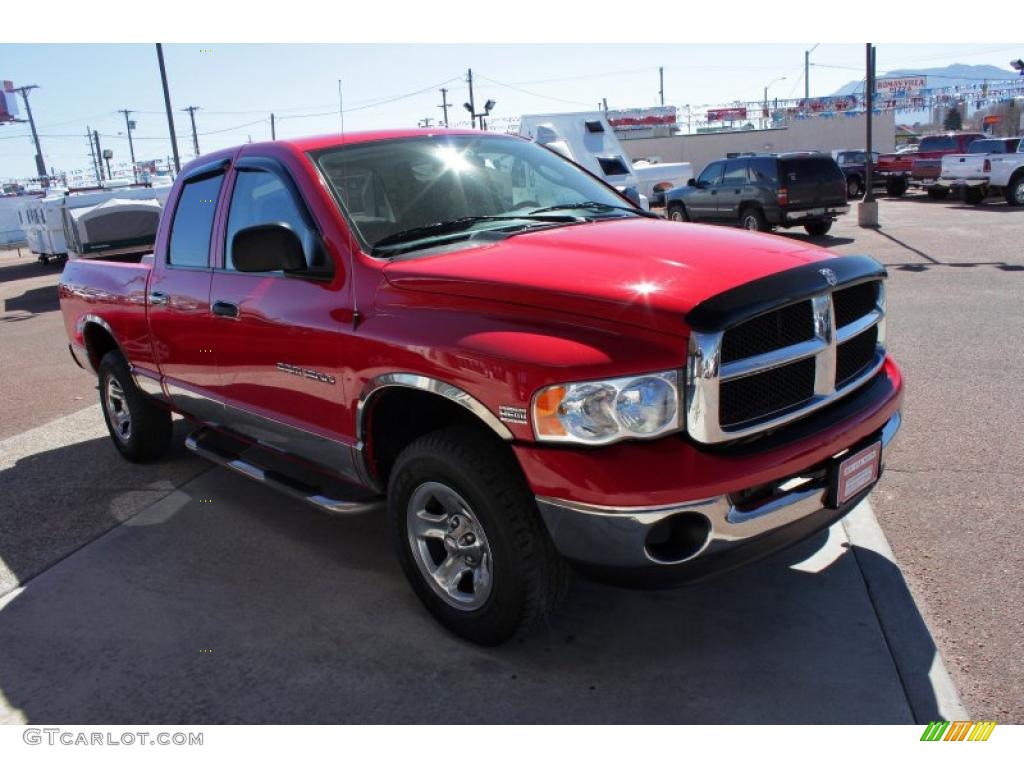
351	250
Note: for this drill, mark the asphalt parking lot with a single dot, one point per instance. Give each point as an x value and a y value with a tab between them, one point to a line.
180	593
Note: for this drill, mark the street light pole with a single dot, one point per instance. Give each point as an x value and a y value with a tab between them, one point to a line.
807	72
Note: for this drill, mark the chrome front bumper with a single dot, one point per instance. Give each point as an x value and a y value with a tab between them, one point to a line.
617	538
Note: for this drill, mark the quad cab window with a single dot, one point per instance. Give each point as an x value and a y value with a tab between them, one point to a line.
193	222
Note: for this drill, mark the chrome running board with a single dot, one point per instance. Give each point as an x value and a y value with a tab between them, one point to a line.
336	497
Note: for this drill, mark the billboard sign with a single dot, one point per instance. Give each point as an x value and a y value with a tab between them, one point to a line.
900	84
8	103
728	114
636	119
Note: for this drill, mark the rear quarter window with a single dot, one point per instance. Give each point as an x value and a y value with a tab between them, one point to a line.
811	169
937	144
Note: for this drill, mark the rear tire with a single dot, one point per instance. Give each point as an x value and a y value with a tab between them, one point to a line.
938	193
677	212
469	537
818	228
974	195
753	220
140	429
896	187
1015	191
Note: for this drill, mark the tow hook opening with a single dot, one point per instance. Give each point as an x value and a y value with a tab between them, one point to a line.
677	537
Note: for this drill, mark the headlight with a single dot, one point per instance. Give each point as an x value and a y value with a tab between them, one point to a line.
601	412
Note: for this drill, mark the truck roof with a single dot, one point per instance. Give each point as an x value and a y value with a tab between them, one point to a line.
312	143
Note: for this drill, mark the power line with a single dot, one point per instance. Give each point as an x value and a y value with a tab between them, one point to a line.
531	93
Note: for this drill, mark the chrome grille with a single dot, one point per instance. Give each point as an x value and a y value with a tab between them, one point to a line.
785	363
768	332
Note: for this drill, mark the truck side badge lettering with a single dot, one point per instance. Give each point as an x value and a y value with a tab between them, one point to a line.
306	373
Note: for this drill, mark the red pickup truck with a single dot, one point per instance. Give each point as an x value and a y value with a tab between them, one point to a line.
923	167
474	336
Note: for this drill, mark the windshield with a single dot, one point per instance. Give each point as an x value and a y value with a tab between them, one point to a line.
390	189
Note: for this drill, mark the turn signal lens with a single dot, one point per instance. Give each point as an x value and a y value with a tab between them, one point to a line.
545	412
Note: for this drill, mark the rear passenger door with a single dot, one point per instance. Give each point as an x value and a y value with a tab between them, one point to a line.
179	296
734	190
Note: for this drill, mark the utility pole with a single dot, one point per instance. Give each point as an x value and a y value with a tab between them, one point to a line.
444	105
472	104
131	146
92	152
167	106
273	132
40	165
604	101
195	136
661	85
99	153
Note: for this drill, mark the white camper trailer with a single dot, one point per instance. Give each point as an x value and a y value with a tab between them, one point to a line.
44	217
588	140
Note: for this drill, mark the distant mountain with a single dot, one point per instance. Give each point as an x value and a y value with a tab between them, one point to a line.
940	77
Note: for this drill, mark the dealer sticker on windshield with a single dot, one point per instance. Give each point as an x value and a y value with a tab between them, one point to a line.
855	473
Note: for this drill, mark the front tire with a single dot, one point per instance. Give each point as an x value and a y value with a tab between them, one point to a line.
818	228
676	212
469	537
753	219
1015	191
854	188
139	428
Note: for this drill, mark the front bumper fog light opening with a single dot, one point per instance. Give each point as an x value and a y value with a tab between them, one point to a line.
677	537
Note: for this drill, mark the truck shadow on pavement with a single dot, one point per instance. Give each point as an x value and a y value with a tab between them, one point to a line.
35	301
223	602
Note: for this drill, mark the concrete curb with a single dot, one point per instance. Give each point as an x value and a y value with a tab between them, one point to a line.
900	621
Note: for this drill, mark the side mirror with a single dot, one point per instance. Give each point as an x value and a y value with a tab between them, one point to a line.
267	248
691	182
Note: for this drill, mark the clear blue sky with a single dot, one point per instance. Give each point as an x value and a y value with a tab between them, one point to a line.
238	84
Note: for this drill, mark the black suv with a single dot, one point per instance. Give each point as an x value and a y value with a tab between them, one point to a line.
761	192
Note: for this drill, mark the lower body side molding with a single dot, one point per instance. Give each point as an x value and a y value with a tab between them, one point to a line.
293	478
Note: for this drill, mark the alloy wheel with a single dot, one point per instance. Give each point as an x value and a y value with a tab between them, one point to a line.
449	546
117	409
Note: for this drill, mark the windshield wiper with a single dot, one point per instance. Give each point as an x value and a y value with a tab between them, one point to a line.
596	206
457	225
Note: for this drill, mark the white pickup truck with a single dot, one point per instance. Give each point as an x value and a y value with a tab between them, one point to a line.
1007	174
973	172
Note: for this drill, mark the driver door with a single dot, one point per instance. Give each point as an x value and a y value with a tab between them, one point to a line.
702	202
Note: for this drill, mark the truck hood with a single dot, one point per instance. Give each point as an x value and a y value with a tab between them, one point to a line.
633	271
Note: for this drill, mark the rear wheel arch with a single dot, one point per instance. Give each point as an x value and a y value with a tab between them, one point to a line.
397	409
99	340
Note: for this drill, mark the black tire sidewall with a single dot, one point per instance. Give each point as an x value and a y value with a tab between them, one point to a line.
151	425
501	615
677	208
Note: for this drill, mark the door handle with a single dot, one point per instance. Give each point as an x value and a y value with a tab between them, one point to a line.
157	297
225	309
